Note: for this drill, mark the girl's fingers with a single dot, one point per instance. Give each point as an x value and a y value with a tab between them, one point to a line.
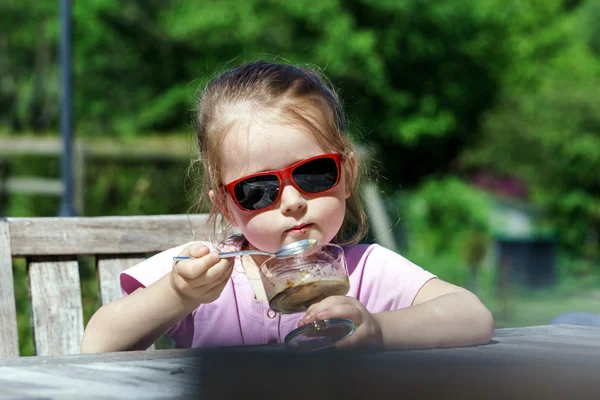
220	275
349	309
191	269
339	310
216	290
326	303
199	287
319	308
215	273
195	250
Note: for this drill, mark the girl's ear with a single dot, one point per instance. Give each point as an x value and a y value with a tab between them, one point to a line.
350	166
220	202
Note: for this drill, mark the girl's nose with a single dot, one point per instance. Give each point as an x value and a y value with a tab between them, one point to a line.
291	199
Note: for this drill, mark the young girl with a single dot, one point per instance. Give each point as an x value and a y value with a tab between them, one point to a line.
279	168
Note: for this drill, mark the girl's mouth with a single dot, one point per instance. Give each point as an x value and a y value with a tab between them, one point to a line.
299	229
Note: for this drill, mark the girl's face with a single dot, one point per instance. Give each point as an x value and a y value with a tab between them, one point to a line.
295	216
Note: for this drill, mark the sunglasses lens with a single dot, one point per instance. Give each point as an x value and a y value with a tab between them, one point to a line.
317	175
257	192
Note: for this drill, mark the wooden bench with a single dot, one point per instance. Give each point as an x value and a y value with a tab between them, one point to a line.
51	247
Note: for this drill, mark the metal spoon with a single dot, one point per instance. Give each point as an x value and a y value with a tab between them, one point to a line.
285	251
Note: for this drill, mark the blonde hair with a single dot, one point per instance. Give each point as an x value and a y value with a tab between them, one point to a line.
289	91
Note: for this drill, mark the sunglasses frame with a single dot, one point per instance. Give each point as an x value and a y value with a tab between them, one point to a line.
282	175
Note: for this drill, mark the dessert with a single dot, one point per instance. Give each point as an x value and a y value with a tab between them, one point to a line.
293	284
298	297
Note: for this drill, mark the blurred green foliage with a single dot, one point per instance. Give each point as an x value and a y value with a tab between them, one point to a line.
447	208
448	227
116	193
112	187
435	87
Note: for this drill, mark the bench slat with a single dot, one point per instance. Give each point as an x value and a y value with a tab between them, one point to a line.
109	268
9	344
103	235
51	247
56	307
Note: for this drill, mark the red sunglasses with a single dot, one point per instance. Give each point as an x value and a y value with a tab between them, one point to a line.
313	175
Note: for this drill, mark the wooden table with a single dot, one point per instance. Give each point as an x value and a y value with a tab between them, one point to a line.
557	361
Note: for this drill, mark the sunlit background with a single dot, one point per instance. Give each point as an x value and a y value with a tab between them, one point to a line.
480	118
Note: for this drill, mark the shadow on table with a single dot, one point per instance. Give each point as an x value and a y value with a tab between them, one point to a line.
386	375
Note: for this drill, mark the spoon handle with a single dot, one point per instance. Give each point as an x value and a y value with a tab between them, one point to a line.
228	254
243	253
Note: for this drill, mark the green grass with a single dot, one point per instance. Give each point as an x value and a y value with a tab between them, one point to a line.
527	307
526	311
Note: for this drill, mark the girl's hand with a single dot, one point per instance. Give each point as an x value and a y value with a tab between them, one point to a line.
200	280
368	330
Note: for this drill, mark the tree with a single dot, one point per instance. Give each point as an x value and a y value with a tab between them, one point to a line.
549	133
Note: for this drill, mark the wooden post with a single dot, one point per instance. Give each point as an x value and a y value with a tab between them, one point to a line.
3	190
378	217
503	287
375	208
9	334
66	118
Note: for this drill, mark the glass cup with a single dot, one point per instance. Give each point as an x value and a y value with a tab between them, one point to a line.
294	283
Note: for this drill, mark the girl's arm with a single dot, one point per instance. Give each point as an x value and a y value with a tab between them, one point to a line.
442	315
135	321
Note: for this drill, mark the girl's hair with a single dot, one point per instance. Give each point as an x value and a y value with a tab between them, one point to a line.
296	95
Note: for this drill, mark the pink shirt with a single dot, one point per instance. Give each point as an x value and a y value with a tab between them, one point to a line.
380	279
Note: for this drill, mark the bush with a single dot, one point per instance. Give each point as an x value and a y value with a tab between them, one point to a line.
448	228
